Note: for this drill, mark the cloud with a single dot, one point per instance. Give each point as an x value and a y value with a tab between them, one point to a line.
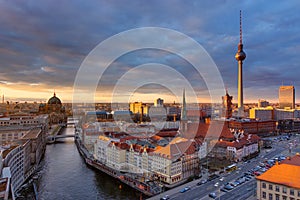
44	42
48	69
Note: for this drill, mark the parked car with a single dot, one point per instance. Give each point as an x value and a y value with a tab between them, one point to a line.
228	187
234	184
212	195
248	178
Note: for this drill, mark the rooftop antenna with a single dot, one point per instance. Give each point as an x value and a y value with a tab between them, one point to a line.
241	32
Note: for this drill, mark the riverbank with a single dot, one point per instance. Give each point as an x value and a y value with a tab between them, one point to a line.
128	179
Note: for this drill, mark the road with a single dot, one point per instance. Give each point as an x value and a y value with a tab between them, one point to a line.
242	191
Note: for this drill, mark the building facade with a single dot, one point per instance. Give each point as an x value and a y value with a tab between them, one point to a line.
287	97
262	113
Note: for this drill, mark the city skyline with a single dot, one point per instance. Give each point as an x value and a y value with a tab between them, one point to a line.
41	51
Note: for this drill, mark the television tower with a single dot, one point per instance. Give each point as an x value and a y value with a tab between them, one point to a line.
240	56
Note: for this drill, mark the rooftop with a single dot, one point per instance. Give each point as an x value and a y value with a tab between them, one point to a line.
32	134
283	174
7	150
295	160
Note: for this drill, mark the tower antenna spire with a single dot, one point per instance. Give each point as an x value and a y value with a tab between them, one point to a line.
241	31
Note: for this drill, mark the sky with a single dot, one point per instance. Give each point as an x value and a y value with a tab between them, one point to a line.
44	43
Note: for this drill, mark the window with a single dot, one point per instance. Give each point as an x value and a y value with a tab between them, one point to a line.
270	187
264	195
277	197
263	185
292	192
284	190
277	188
291	198
298	193
270	196
284	197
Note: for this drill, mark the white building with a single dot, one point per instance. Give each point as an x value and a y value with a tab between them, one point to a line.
202	152
116	155
23	120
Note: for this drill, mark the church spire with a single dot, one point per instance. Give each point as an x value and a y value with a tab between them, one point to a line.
183	110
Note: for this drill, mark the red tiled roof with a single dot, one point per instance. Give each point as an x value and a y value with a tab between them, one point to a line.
246	140
214	129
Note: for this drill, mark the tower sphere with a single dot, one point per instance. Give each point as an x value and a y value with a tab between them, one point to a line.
240	56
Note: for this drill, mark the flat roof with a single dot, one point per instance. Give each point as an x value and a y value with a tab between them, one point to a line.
32	134
6	151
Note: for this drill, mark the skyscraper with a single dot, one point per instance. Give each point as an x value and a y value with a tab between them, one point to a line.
287	96
240	56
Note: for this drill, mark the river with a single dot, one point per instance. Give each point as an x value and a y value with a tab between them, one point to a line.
64	175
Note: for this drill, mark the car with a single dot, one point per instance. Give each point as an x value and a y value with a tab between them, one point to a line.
202	182
166	197
212	195
185	189
199	183
248	178
257	173
234	184
223	189
228	187
247	174
222	179
241	180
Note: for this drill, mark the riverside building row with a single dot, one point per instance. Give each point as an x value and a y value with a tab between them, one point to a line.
169	155
22	147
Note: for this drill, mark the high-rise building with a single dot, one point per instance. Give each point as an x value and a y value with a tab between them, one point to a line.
240	56
287	96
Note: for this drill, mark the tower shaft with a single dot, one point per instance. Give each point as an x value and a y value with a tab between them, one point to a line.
240	89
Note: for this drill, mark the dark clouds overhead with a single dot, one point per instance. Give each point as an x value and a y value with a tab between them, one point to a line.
44	42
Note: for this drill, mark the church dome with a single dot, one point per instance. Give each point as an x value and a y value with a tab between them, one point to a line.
54	100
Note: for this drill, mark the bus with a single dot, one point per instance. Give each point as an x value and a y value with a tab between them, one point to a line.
231	168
